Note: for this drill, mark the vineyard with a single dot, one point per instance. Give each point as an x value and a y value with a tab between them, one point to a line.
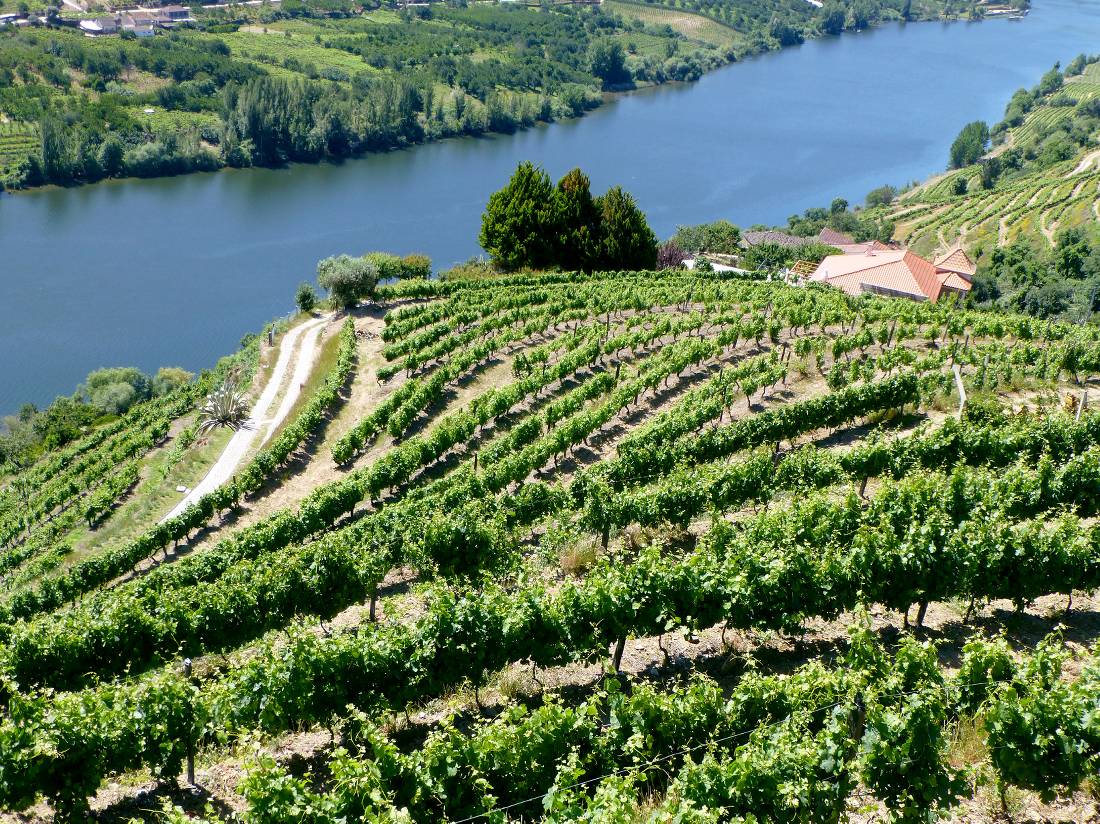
1032	206
615	547
17	140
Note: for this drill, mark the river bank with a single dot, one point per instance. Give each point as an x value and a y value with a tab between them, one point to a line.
237	91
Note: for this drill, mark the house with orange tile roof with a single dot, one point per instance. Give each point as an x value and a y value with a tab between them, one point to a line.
894	273
864	248
959	262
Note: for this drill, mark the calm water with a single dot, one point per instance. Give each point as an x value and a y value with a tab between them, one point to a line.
174	271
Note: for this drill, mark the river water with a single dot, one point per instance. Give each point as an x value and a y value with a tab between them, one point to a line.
174	271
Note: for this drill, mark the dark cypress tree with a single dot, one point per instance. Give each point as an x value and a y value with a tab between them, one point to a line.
518	229
626	241
577	219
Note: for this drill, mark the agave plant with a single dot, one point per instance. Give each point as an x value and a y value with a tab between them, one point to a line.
225	406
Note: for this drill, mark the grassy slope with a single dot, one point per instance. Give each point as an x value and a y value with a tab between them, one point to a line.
693	26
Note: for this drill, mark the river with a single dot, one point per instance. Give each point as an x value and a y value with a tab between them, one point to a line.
175	271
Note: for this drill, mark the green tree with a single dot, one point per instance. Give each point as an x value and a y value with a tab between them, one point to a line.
577	220
970	145
720	236
347	279
991	170
1077	65
305	298
1051	81
609	63
388	266
626	241
110	156
785	34
114	390
882	196
63	420
1071	252
1047	301
861	15
169	378
517	227
832	21
416	266
57	150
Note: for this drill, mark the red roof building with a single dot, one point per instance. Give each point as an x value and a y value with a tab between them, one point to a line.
864	248
755	238
832	237
893	274
959	262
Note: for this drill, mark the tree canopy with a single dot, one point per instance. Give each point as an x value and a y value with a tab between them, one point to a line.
517	227
532	224
970	145
347	279
719	236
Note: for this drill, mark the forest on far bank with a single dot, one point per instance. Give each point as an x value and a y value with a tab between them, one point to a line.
315	79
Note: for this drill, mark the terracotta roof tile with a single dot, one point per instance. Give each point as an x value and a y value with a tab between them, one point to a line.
835	238
957	261
772	236
900	272
862	248
957	282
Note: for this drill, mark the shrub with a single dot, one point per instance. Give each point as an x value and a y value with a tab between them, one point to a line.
305	297
416	266
347	279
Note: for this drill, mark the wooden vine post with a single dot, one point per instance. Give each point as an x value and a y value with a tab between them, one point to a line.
190	740
961	388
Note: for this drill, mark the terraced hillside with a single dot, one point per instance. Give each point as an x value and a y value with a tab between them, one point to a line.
1034	205
615	547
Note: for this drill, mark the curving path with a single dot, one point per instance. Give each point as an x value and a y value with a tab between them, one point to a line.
257	424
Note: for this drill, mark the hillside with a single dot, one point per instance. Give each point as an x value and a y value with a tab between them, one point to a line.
1044	178
626	546
245	85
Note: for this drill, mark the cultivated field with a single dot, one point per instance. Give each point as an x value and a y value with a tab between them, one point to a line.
1034	207
613	547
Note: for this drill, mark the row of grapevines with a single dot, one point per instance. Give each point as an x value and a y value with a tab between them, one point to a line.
193	618
689	492
100	502
106	566
766	575
584	351
645	457
775	748
144	429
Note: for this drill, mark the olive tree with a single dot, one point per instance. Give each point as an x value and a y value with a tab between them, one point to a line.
347	279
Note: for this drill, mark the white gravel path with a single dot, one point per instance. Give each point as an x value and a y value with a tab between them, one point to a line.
303	366
257	424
